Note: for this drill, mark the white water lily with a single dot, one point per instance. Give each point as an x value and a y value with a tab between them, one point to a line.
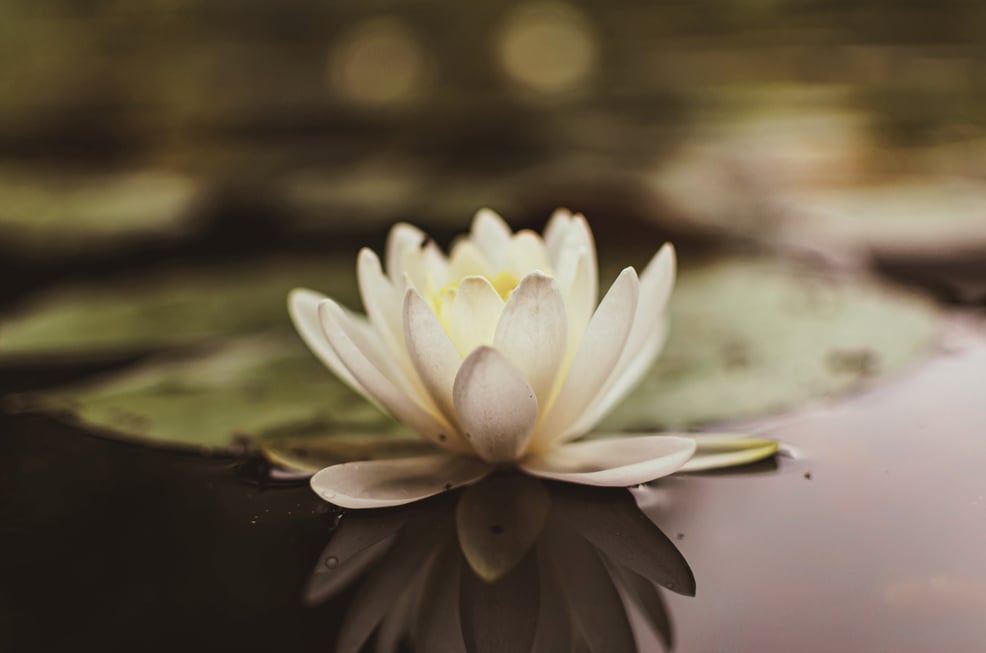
498	355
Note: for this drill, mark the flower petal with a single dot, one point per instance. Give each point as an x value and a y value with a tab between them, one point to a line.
382	483
533	332
303	308
525	253
492	236
598	353
474	314
432	353
727	450
614	461
576	241
402	236
555	232
646	339
466	260
368	364
497	408
381	299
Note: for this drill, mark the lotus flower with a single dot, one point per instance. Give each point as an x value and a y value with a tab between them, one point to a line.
499	356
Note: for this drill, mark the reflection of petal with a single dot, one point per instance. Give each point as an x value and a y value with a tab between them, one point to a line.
382	483
612	461
614	524
409	556
593	601
360	540
645	595
438	623
555	628
502	615
393	628
727	450
498	522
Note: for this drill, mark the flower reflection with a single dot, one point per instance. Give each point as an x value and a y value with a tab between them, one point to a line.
511	564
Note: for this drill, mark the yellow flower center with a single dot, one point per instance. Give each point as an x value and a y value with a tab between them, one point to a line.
441	300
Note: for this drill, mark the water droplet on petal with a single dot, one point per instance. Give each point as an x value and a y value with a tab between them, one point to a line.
332	562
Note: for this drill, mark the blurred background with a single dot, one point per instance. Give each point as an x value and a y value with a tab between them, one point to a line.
134	131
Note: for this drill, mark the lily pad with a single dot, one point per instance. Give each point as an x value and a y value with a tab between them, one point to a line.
167	308
748	338
45	212
751	337
235	394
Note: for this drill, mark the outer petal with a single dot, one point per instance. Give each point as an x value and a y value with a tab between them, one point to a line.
497	409
402	236
533	332
555	231
382	483
492	236
612	461
381	298
601	347
303	308
432	353
474	314
367	364
572	243
646	339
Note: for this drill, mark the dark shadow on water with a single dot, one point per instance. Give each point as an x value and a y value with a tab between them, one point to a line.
511	564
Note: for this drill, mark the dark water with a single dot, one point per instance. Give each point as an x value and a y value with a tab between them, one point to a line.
870	538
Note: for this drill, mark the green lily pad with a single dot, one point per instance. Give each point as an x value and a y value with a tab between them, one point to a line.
225	398
45	212
167	308
750	338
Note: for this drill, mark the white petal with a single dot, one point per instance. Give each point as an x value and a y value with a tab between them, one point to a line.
615	461
382	300
425	267
467	261
533	332
492	236
303	308
402	236
715	451
645	342
577	241
525	253
367	364
382	483
432	353
474	314
598	353
497	408
580	300
554	232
